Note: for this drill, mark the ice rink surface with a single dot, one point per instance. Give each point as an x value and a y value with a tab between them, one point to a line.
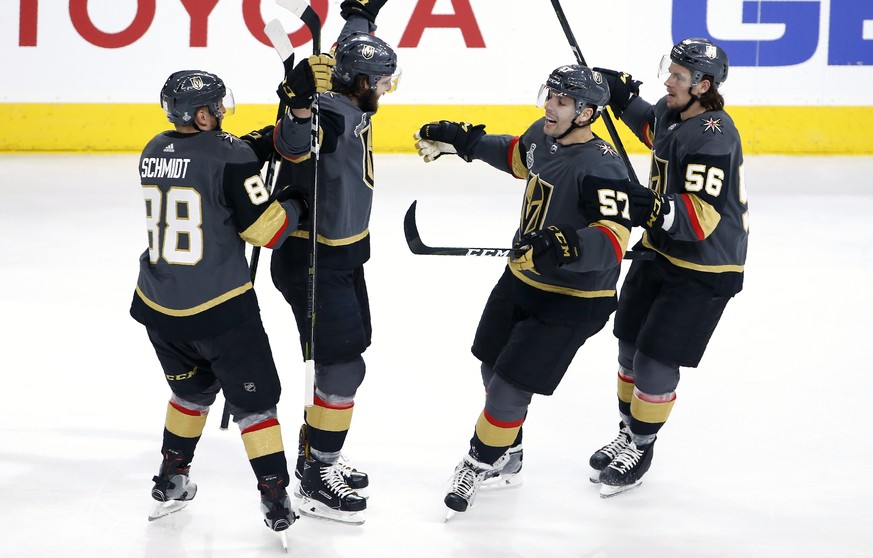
765	454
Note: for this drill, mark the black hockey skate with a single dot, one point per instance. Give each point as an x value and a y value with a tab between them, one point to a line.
173	489
507	475
604	456
324	494
626	470
357	480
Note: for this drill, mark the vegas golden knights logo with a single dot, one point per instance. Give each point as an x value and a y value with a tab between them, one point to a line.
658	176
536	204
364	131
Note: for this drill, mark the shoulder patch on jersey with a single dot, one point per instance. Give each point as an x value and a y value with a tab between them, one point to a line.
711	125
530	155
227	136
606	149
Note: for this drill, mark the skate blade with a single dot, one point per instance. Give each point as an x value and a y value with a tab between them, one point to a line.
503	481
163	509
607	491
283	538
449	514
594	475
317	510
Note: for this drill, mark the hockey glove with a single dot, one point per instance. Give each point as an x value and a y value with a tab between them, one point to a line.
445	136
261	142
310	76
622	88
550	248
296	198
367	9
649	209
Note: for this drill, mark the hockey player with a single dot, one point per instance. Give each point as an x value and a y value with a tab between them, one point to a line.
575	224
204	200
697	226
366	69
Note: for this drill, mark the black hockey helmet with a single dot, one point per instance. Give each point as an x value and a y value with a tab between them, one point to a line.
702	57
187	90
364	54
579	82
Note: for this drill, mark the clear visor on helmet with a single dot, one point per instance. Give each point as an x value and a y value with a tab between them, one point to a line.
545	94
681	77
390	82
228	103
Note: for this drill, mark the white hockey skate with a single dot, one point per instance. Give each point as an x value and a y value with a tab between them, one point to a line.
468	478
172	494
509	475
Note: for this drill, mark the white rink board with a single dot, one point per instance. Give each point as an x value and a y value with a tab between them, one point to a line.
523	42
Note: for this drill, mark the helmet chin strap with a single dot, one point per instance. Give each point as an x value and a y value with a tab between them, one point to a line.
574	126
691	101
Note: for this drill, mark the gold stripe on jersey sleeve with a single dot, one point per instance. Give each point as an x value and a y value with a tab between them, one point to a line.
690	265
519	169
267	225
333	241
622	233
707	216
555	288
195	309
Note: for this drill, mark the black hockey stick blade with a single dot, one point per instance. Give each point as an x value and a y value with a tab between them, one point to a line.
416	246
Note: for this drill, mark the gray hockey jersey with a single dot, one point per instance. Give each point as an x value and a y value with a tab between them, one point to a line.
204	199
345	176
581	185
700	162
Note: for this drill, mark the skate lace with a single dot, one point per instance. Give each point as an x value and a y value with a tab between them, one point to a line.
614	448
627	459
465	481
333	479
344	466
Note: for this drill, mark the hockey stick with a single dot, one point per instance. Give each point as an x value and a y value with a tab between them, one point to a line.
417	246
607	120
304	11
280	41
413	239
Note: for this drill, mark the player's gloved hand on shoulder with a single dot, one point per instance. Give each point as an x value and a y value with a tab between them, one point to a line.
550	248
368	9
438	138
622	88
261	142
310	76
648	209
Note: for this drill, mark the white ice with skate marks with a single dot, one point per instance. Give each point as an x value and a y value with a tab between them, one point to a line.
737	471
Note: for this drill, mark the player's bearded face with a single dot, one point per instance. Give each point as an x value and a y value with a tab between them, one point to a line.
560	113
369	99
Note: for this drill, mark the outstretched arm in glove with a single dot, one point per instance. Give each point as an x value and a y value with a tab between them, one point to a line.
439	138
